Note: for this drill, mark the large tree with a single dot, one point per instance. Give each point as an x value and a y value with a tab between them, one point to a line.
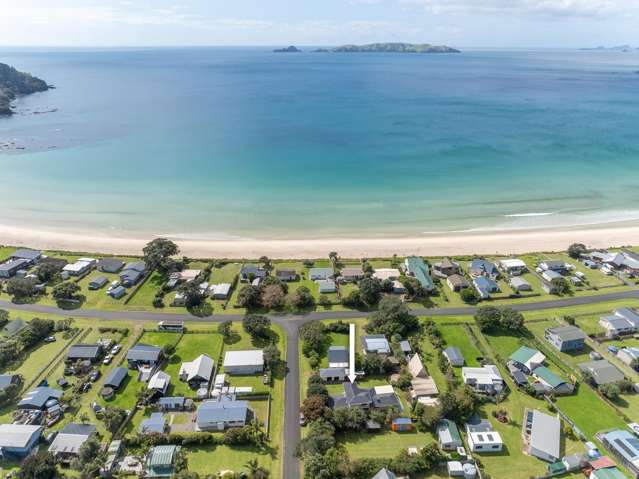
250	297
38	466
158	251
22	288
393	317
256	325
66	291
370	290
577	250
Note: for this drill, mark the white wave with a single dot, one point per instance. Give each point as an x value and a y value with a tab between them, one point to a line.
529	215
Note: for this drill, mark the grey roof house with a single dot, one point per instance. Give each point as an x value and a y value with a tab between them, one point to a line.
375	343
244	362
315	274
602	371
30	255
116	378
66	445
543	435
454	356
566	338
133	273
249	271
9	268
143	354
481	267
14	327
338	357
354	396
154	424
220	415
39	397
110	265
91	352
98	282
7	380
18	440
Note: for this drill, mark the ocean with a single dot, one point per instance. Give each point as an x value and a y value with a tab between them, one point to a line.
218	143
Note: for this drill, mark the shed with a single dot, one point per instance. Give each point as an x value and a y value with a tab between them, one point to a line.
18	440
116	378
454	356
244	362
326	286
402	424
448	435
110	265
545	436
154	424
160	461
98	282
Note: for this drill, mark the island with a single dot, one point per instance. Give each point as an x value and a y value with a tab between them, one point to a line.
290	49
14	83
391	48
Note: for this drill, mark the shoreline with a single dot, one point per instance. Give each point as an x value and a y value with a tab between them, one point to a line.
505	242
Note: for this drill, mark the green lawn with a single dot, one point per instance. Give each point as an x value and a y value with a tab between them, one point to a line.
385	444
458	336
5	252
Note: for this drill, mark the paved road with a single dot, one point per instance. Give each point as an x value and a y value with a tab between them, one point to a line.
290	324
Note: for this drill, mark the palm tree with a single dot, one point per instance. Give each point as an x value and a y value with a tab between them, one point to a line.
252	466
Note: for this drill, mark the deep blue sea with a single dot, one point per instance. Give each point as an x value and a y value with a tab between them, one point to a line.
243	142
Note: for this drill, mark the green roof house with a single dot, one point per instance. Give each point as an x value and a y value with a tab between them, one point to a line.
160	461
607	473
551	381
416	267
527	359
448	435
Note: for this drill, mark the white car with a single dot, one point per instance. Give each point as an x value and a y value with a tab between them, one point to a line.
107	359
116	349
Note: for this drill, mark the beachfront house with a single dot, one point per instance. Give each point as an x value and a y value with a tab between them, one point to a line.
391	274
556	265
80	266
513	266
485	286
110	265
133	273
326	286
446	267
286	275
244	362
519	284
30	255
602	372
251	272
481	267
457	282
542	435
415	267
320	274
566	338
624	446
351	274
8	269
482	437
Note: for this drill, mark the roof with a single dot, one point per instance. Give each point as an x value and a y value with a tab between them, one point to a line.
248	269
39	396
352	271
386	273
424	387
624	444
547	376
253	357
568	333
222	411
28	254
512	263
326	285
71	438
337	354
545	434
6	380
14	327
84	351
200	367
518	281
110	265
332	372
139	266
447	431
155	423
416	266
14	264
161	456
602	371
448	263
159	381
416	367
477	424
457	280
608	473
18	435
384	473
488	374
628	314
405	346
616	322
482	282
376	342
172	401
116	377
327	272
481	266
454	354
143	352
525	355
222	289
402	420
99	280
553	264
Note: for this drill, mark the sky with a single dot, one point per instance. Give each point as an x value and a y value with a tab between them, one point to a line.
462	23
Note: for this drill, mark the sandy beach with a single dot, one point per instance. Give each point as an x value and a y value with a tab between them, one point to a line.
493	242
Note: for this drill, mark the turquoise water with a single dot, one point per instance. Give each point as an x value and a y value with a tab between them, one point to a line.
218	143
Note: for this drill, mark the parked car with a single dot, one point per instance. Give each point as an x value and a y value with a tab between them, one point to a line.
86	387
116	349
69	371
613	349
50	339
94	376
107	359
302	420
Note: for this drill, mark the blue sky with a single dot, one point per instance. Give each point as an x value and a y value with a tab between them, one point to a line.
488	23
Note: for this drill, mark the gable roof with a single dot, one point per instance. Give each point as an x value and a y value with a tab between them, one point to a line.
251	357
110	265
545	434
161	456
416	266
454	354
155	423
18	435
200	367
568	333
602	371
376	343
550	378
143	352
338	354
525	355
7	379
116	377
84	351
384	473
481	266
222	411
447	431
28	254
39	396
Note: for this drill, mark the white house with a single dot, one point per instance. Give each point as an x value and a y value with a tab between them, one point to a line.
485	380
543	435
482	437
513	266
616	325
81	266
197	371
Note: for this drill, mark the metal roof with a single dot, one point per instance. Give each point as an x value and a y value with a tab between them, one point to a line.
254	357
39	396
84	351
161	456
376	342
200	367
143	352
545	434
17	435
547	376
568	333
222	411
337	354
28	254
116	377
155	423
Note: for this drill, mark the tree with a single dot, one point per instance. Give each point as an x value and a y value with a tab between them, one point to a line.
250	297
393	317
66	291
488	318
257	326
353	299
271	356
469	296
168	350
38	466
21	288
370	290
570	320
414	288
511	320
255	471
302	298
225	329
193	295
4	317
320	438
324	300
561	286
158	251
113	418
272	296
36	330
611	391
90	458
266	263
314	408
458	404
9	394
349	419
47	271
577	250
313	337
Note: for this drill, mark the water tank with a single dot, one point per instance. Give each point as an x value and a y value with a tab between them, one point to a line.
470	471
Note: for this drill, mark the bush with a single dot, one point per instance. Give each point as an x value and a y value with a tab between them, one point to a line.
469	296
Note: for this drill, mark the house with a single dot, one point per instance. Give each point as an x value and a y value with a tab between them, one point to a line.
333	375
286	275
454	356
250	272
448	435
221	291
481	267
607	473
602	372
624	446
446	267
337	357
415	267
143	355
616	326
485	286
186	275
566	338
398	287
244	362
352	273
551	275
391	274
548	287
628	356
80	267
384	473
485	380
404	345
8	269
7	380
628	314
424	391
551	382
171	403
517	375
402	424
154	424
160	461
482	437
18	440
380	397
133	273
542	435
320	274
117	292
375	343
31	255
98	282
622	260
110	265
519	284
416	367
40	398
82	352
197	372
553	265
12	328
159	383
457	283
218	415
66	445
527	359
326	286
115	379
513	266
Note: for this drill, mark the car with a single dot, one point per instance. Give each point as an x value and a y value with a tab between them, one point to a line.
86	387
94	376
70	371
50	339
107	359
302	420
116	349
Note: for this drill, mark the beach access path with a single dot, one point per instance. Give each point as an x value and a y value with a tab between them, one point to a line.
291	323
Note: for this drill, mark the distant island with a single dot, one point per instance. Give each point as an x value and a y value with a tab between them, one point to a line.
618	48
291	49
391	48
14	83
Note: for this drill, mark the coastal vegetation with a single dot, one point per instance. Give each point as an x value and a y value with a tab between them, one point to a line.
14	83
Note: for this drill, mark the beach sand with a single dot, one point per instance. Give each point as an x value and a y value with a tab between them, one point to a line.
493	242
